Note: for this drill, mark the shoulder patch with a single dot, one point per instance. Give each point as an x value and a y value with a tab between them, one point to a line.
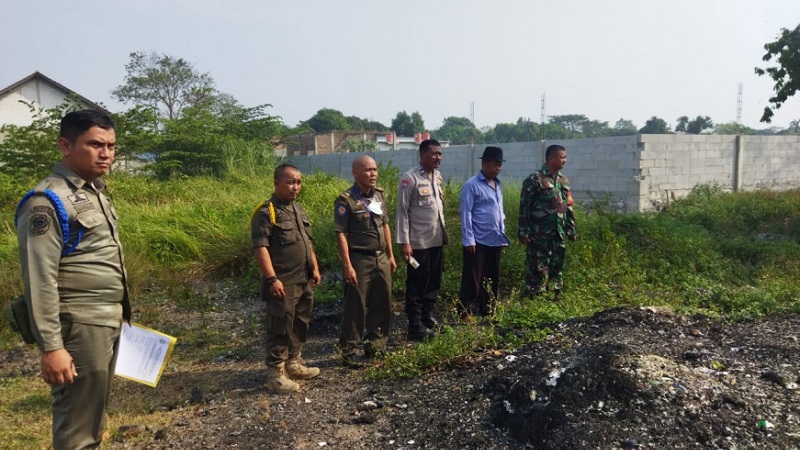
404	183
40	223
341	210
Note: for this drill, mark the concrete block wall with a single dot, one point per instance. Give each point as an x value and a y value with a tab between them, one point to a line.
674	164
635	173
770	162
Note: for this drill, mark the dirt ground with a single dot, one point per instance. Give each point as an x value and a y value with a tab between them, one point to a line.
624	378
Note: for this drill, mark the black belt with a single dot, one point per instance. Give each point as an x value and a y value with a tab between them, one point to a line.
367	252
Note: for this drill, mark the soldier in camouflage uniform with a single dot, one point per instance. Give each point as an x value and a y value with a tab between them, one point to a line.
546	220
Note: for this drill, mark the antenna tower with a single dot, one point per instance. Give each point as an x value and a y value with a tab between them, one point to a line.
544	110
472	119
543	118
739	104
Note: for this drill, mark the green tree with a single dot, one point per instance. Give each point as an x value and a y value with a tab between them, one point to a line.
326	120
405	124
683	123
419	124
459	131
595	128
624	127
357	123
402	124
732	128
573	123
164	83
138	135
655	125
524	130
794	127
31	150
786	73
695	126
353	144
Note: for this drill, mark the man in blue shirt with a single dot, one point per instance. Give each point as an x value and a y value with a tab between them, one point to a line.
482	235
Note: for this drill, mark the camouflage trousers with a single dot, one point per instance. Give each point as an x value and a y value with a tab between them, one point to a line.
544	262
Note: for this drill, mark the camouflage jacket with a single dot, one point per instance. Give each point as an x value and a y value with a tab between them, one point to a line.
545	208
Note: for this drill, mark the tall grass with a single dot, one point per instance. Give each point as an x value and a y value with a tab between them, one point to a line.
721	253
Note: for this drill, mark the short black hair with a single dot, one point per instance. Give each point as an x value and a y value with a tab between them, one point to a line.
278	175
76	123
425	145
553	149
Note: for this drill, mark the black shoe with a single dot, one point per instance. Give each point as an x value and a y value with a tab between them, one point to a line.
557	295
418	332
429	321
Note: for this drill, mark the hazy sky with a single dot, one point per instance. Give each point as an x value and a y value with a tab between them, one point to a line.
629	59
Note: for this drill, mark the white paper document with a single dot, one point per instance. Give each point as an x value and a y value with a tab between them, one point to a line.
143	353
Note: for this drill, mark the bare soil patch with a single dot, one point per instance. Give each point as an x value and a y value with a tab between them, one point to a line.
624	378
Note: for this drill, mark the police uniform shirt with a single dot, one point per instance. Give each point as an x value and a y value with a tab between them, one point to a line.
420	210
89	284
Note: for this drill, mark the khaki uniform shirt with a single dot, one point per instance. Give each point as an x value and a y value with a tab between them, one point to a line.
363	227
420	210
287	236
88	285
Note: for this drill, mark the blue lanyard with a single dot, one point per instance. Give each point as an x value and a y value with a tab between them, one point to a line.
355	191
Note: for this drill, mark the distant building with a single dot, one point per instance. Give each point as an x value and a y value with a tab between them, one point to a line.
39	90
332	142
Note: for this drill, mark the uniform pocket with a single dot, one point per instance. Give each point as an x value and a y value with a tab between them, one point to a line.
425	196
287	232
89	221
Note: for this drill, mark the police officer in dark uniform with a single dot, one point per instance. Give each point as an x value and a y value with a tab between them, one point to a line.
281	235
363	239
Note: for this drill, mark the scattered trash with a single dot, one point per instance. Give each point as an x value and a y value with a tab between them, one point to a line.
552	380
765	424
511	358
508	406
630	443
306	400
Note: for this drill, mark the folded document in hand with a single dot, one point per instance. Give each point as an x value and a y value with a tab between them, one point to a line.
143	353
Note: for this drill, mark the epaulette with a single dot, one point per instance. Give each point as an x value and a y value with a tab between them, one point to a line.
270	210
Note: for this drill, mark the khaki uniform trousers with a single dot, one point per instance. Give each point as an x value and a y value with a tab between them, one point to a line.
78	408
367	309
288	319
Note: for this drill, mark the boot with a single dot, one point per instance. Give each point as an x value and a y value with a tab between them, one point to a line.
277	381
416	330
428	320
296	368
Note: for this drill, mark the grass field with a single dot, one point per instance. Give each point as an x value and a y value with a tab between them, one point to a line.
735	255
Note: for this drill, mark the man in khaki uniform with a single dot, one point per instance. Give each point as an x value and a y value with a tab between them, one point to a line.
77	299
281	236
364	241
